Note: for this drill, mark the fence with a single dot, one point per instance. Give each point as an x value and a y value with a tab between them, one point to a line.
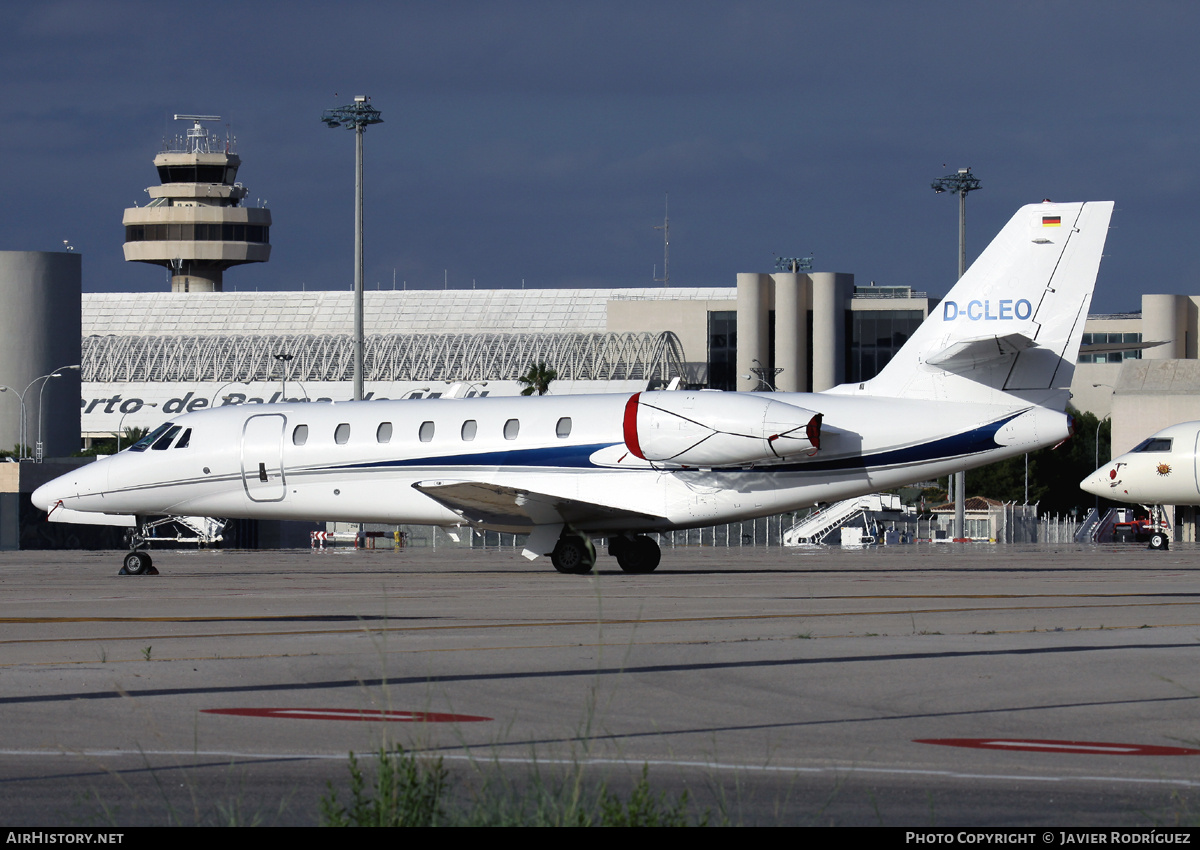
1016	524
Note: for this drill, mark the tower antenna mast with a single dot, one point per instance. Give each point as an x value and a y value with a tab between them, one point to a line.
665	227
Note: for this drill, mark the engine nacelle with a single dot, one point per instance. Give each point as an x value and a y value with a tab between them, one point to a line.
718	429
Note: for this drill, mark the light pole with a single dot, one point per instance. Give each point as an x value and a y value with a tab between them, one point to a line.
57	373
284	360
356	116
760	372
247	381
961	182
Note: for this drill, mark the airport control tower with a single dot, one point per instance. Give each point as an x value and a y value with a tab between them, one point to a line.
194	224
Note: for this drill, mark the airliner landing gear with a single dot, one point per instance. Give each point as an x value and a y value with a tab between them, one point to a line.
574	553
138	562
638	554
1160	541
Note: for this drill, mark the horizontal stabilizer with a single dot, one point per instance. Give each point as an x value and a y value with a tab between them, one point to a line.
513	507
964	355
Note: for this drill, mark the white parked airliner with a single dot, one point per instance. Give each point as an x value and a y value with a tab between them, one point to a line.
1161	470
985	377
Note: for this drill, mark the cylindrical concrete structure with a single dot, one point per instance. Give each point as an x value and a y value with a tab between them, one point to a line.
1164	319
39	333
791	331
753	328
830	291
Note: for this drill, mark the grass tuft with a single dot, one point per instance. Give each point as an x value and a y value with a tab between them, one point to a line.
408	791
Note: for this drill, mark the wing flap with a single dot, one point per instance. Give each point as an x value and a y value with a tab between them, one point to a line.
516	509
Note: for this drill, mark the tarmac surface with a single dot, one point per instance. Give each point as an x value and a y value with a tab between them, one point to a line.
777	686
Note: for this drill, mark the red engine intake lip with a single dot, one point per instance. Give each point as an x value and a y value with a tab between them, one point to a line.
631	435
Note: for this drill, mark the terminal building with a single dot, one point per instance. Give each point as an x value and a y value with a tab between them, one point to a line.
147	357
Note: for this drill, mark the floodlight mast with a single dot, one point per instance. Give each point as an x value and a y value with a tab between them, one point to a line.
960	183
356	116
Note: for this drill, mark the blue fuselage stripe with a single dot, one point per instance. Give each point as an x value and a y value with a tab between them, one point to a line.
971	442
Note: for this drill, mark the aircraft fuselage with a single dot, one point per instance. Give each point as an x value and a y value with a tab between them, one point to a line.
389	461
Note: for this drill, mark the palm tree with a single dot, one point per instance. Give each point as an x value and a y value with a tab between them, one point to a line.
537	379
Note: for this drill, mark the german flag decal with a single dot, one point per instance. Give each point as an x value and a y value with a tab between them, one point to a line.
1051	221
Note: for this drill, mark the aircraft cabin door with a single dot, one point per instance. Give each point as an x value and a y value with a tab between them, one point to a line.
262	457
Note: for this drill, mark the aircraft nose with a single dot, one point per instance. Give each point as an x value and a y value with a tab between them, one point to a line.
45	496
70	489
1098	483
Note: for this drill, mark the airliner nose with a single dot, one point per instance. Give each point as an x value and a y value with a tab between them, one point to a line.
43	497
73	488
1098	483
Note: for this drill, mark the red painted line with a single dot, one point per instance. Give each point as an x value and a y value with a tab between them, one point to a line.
369	714
1031	745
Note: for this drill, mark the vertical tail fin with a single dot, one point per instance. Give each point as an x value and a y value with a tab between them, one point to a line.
1012	324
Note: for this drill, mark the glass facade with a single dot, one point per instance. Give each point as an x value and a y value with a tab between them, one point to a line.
875	337
722	350
197	233
1110	339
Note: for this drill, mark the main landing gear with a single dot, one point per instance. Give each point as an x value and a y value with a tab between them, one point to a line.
637	554
576	554
138	562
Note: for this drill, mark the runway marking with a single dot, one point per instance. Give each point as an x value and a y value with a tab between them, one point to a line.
1194	598
595	761
362	714
1042	746
91	638
590	672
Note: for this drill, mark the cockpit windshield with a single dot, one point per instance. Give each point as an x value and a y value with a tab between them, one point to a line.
148	440
1155	444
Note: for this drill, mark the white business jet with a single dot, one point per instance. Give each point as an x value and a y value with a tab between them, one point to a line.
1161	470
984	378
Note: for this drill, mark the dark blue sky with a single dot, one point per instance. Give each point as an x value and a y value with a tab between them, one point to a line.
536	140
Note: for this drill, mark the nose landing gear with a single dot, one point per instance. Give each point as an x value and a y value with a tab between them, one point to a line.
138	562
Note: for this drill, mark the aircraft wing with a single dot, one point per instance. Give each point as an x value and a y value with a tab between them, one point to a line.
513	507
966	354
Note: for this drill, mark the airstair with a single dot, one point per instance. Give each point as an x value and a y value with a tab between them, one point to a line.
1098	527
205	531
818	527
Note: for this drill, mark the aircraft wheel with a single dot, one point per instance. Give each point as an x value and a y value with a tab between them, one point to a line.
138	563
1158	540
574	555
640	555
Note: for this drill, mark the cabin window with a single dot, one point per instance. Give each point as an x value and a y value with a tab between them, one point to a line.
511	428
383	434
164	442
426	432
185	439
1155	444
300	435
468	430
563	428
341	436
148	440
